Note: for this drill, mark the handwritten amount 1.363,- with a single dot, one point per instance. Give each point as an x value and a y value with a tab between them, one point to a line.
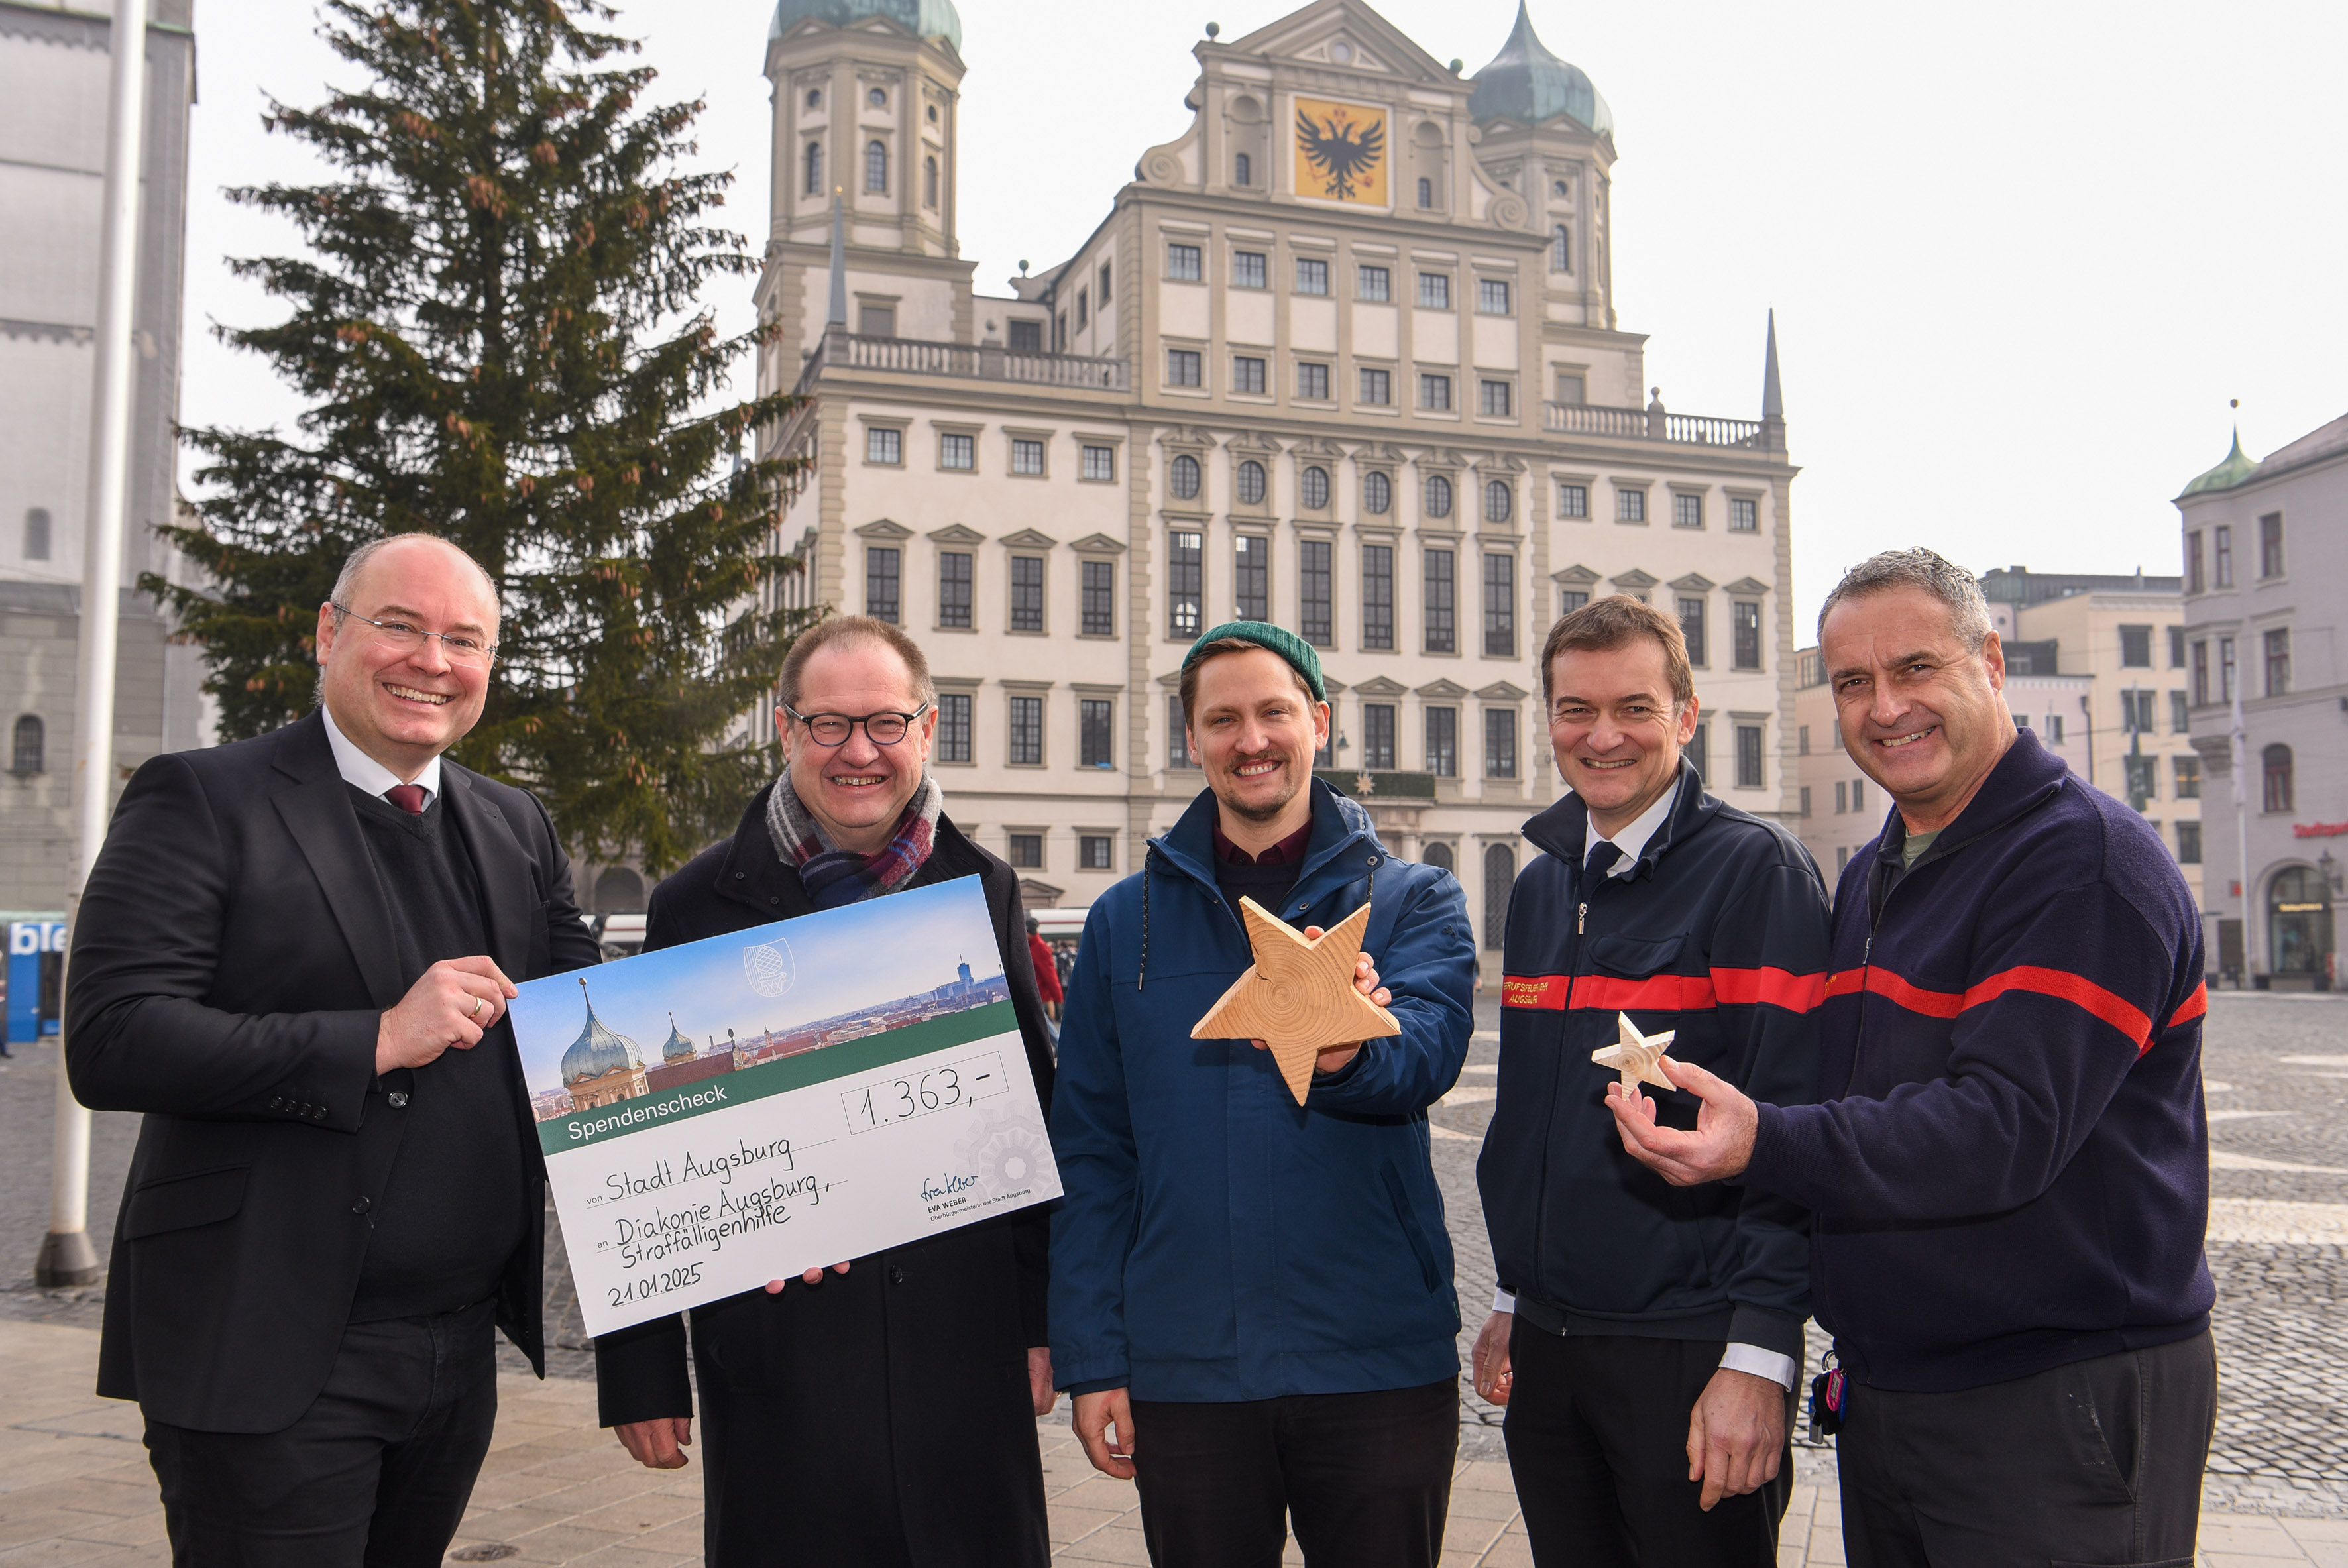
909	1094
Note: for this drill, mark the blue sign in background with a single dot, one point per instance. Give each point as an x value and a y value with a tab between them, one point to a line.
33	945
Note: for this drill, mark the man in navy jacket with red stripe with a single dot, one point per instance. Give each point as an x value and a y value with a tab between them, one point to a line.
2008	1168
1646	1342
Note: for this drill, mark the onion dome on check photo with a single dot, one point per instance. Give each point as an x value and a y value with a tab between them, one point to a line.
598	1050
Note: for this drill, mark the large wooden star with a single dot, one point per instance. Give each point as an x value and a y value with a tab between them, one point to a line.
1298	996
1637	1056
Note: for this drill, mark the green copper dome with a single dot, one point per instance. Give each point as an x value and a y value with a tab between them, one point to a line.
2237	468
923	18
1527	84
678	1048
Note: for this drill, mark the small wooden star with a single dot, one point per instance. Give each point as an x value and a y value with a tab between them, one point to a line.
1298	996
1637	1056
1364	784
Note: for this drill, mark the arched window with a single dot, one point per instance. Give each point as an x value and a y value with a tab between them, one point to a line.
1242	171
1498	501
1438	495
1378	493
1425	191
1185	478
1251	482
2280	793
1314	488
930	182
36	534
1499	879
619	889
876	167
1560	249
878	98
1439	856
28	753
814	97
815	169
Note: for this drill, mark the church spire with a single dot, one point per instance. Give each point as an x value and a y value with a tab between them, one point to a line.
839	317
1773	399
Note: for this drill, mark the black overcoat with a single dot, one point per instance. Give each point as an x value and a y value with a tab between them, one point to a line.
882	1416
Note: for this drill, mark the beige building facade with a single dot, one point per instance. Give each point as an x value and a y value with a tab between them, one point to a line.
1343	356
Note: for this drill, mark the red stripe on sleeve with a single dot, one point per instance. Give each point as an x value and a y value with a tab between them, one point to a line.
2195	1005
1915	998
2076	989
1773	987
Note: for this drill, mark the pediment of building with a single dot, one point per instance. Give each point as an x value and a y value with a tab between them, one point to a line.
1748	585
1381	685
1694	582
1311	37
884	527
1437	689
1503	691
1635	581
957	533
1579	575
1098	544
1028	539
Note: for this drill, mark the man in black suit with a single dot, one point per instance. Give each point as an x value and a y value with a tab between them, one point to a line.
294	956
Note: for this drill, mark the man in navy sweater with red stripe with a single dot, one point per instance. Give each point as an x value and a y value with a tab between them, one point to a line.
2008	1167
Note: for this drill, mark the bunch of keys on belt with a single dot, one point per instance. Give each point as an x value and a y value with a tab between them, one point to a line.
1826	1400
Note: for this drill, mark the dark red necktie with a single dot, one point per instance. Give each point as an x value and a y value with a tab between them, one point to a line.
408	797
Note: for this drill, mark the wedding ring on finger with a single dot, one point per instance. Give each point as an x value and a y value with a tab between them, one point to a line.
479	1002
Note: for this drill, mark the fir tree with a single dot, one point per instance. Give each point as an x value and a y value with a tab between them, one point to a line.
498	337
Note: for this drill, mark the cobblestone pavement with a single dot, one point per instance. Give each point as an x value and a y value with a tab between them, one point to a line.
73	1486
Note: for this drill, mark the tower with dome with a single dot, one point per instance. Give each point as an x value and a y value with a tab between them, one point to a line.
601	1068
1343	353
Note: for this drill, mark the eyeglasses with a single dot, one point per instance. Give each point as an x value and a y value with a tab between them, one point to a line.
459	650
834	728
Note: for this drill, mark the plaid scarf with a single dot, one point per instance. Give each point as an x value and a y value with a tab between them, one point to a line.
835	877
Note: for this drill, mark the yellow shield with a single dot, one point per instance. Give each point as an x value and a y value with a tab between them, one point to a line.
1341	151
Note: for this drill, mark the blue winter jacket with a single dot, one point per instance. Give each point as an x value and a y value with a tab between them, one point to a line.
1218	1240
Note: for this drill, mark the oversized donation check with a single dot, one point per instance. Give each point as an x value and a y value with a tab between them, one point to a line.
742	1108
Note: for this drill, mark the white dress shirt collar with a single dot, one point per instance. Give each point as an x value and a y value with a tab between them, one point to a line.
1633	838
363	772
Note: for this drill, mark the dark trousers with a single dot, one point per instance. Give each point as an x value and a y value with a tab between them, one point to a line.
375	1474
1364	1478
1597	1429
2099	1461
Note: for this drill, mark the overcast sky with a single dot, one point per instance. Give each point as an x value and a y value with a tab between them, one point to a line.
2021	254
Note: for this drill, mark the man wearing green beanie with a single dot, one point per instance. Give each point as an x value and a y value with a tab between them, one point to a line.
1251	1299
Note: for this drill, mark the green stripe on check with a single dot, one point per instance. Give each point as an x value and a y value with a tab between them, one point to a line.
579	1129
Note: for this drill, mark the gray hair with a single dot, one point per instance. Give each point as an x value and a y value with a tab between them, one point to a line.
1918	567
355	563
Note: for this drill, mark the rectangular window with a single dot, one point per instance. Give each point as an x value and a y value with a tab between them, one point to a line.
1313	592
1805	800
2054	727
1177	736
1099	463
1182	263
1247	270
1745	617
1698	752
1313	382
883	446
2189	843
1026	337
953	589
1744	515
1095	732
1377	387
1499	743
958	452
1573	387
1843	858
1434	392
2193	562
1842	797
1098	598
954	726
1027	739
1630	506
2143	781
2135	647
2224	551
1026	852
1093	851
1442	632
1435	290
2271	545
1375	284
1443	742
1378	737
2189	777
2021	721
1687	511
1181	367
2201	674
1749	757
1084	306
1251	578
881	580
1027	592
1027	456
1185	570
2225	669
2180	716
1500	605
1377	596
2176	647
1569	600
876	321
1692	628
1492	296
1497	398
1247	373
1803	745
2278	651
1104	283
1573	501
1312	276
